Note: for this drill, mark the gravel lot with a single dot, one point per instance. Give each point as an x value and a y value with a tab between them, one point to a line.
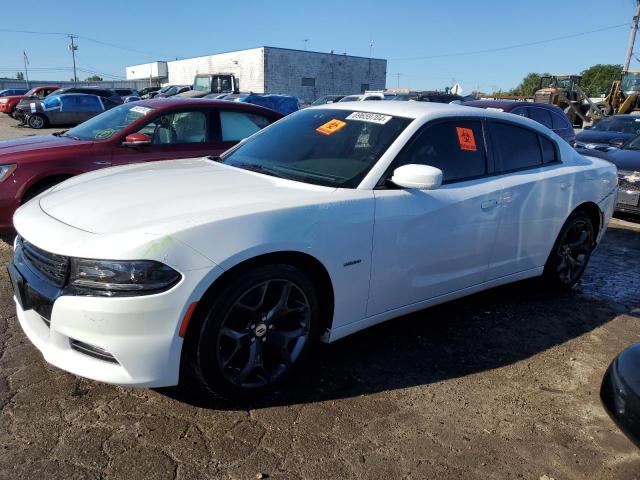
503	384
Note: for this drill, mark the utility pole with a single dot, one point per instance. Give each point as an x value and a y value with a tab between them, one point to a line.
632	38
398	75
26	73
306	40
73	47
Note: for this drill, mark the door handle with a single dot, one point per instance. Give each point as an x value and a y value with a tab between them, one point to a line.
488	204
102	162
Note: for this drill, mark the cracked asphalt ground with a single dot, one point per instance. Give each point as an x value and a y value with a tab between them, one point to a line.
503	384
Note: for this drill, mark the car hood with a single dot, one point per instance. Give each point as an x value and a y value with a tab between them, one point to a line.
158	197
624	159
594	136
35	144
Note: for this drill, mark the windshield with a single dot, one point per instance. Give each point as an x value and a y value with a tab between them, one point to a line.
335	148
350	98
202	84
626	124
109	123
630	83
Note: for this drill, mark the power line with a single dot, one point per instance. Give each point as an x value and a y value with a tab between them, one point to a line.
510	47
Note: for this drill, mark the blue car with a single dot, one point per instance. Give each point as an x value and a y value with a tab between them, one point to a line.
615	129
8	92
627	159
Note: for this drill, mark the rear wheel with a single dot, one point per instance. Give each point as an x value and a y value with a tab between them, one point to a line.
37	121
570	254
259	328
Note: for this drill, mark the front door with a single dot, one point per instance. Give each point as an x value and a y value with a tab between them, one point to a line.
430	243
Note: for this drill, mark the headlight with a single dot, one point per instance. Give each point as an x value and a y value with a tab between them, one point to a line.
110	278
6	170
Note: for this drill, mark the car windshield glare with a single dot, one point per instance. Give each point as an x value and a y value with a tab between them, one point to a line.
329	147
109	123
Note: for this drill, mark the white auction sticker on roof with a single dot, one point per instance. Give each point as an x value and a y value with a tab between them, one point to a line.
369	117
140	109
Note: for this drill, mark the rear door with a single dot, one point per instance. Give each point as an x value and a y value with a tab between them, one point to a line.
534	202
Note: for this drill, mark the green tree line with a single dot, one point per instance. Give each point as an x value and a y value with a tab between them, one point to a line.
596	81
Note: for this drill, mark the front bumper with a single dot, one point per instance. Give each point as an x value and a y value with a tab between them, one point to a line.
5	108
628	192
138	334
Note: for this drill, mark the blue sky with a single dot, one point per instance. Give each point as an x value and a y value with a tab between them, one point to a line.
400	30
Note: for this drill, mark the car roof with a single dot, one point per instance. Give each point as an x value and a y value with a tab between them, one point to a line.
173	102
428	111
508	105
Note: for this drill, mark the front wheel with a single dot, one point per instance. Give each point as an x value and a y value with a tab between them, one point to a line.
571	252
36	121
259	328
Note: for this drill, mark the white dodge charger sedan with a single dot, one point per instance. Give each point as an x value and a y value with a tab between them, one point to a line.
327	222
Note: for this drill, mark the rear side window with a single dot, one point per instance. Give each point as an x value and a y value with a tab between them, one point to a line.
549	154
238	125
560	121
514	147
522	111
455	147
541	115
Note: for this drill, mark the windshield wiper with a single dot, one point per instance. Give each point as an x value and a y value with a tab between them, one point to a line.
65	134
258	168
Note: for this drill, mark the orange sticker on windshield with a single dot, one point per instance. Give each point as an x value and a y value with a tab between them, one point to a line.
331	127
466	139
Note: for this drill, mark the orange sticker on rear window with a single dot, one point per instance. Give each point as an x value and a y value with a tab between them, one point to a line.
331	127
466	139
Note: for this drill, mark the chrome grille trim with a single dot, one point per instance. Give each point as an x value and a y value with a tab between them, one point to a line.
50	265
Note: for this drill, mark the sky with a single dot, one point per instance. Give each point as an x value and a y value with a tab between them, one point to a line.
431	44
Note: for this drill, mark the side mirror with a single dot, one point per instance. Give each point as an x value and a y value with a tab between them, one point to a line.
421	177
137	140
620	392
617	142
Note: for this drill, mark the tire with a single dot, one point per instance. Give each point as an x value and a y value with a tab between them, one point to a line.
570	253
250	338
36	121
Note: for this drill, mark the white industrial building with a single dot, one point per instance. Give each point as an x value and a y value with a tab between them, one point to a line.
307	75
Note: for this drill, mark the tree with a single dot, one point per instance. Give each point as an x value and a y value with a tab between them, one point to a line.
94	78
20	76
529	84
597	80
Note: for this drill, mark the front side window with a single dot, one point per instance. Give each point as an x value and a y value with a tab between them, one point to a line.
238	125
178	128
515	147
455	147
330	147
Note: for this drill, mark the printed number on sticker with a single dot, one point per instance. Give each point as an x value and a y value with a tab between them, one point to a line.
331	127
369	117
466	139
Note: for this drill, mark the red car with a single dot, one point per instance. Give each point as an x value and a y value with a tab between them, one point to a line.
130	133
8	104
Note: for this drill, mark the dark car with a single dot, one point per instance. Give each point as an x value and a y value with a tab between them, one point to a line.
7	92
548	115
616	129
126	92
110	97
436	97
173	90
620	392
144	131
327	99
66	109
147	90
627	159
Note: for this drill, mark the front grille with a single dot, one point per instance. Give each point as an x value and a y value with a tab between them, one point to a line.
625	184
53	267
